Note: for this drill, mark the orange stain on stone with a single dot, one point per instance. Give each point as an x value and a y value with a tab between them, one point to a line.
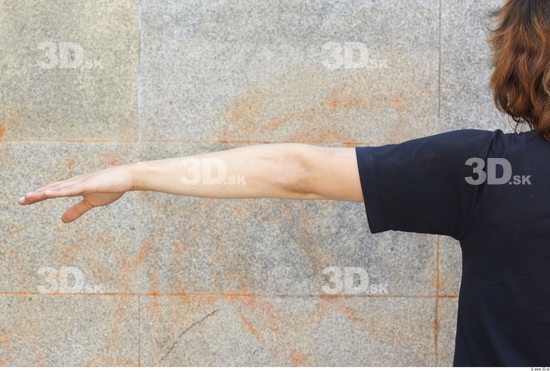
144	252
327	135
5	338
246	116
297	358
251	328
70	167
297	112
398	104
350	314
10	118
129	268
130	264
112	160
155	305
110	362
70	253
114	337
255	305
309	120
245	108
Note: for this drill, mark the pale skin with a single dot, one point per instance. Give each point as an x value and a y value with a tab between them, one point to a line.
281	170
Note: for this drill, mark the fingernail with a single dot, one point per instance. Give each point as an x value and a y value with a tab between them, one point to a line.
21	200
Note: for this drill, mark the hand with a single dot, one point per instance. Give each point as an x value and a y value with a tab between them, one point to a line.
98	189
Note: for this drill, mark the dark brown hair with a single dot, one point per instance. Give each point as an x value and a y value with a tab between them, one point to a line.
521	61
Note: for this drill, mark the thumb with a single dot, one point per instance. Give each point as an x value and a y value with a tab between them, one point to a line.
76	211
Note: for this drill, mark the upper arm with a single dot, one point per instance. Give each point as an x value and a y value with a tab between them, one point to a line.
332	173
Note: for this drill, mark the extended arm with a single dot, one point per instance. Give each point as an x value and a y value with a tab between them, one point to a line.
285	171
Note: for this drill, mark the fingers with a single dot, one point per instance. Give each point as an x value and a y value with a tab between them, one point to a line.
49	190
64	190
76	211
61	183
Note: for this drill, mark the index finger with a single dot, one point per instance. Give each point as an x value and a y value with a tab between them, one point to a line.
63	189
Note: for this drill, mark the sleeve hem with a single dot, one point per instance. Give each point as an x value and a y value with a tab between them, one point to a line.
367	176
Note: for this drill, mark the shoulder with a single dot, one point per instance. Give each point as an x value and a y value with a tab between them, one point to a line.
475	139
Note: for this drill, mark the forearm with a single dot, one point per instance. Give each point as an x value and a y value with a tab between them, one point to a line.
256	171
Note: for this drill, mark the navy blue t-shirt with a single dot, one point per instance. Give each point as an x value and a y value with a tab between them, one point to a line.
491	192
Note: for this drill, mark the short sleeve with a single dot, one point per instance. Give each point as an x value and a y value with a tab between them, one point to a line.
419	185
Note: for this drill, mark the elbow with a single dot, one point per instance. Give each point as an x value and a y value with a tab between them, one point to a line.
297	177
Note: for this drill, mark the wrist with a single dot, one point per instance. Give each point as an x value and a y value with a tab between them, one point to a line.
135	173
